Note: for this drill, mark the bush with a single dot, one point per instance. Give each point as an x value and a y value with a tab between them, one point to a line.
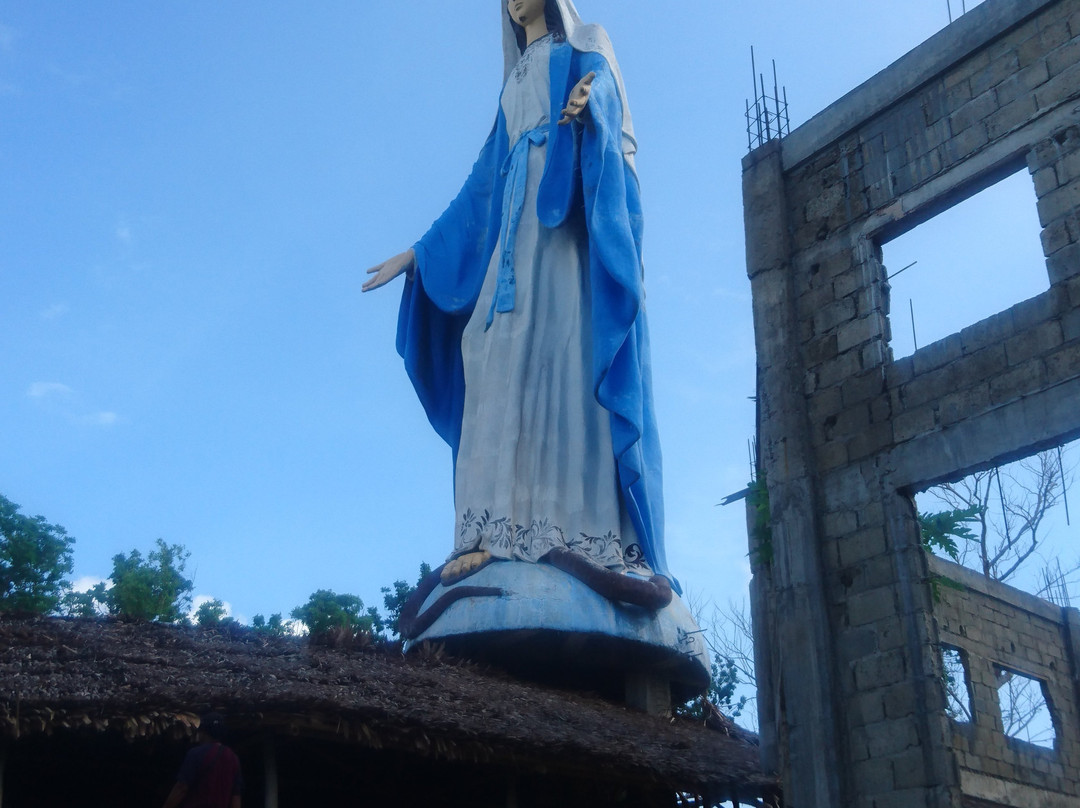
35	560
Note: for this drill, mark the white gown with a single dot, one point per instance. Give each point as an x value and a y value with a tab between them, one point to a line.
535	468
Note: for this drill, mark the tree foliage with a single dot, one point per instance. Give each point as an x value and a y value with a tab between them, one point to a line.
338	619
996	520
274	627
395	599
941	530
150	589
212	613
35	560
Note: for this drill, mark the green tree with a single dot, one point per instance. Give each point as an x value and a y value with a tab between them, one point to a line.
35	560
274	627
212	613
394	599
338	619
150	589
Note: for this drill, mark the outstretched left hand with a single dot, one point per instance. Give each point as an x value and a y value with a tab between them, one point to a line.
579	98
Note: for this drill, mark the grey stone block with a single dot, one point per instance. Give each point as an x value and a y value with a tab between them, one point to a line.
968	141
1034	311
831	316
1023	82
856	332
870	607
938	354
1065	84
840	523
928	387
1045	180
874	777
1036	341
1055	236
1063	57
1070	326
867	708
958	406
1064	264
857	390
995	72
1059	203
988	332
1011	116
1063	364
973	112
901	371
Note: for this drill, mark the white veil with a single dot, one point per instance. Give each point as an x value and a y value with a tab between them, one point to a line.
582	37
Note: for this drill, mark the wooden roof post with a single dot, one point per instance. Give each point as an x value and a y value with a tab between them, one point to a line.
270	774
3	762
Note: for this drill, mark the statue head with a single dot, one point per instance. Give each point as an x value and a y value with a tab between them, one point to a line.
521	12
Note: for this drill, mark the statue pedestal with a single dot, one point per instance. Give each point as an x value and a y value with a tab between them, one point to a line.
549	626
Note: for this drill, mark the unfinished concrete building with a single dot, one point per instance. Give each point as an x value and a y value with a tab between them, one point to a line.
850	629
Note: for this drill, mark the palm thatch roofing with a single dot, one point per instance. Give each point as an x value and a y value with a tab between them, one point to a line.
61	676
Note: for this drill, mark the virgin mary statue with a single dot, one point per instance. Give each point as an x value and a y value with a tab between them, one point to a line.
522	321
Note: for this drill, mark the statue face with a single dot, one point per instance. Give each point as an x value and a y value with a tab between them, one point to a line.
524	12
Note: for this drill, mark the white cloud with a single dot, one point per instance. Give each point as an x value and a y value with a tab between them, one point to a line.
55	311
52	393
123	232
86	582
100	419
43	389
7	38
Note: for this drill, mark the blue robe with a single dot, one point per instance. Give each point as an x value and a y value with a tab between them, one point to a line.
584	165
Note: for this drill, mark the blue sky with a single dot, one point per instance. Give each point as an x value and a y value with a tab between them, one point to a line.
191	193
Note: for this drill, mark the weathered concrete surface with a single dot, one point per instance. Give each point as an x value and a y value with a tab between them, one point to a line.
848	632
547	624
995	625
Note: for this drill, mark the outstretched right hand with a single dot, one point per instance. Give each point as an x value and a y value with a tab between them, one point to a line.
389	269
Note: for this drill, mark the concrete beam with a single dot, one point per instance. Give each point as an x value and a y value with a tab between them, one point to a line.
951	45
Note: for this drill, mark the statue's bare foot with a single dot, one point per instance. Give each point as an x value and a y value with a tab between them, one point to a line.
464	565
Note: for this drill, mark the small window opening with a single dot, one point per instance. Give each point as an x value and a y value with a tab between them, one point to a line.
1025	715
957	685
1015	523
979	257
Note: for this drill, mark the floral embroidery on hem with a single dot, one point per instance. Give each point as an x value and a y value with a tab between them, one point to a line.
532	542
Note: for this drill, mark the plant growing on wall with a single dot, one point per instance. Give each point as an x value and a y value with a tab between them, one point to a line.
997	522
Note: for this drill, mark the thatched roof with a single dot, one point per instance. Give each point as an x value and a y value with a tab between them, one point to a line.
149	680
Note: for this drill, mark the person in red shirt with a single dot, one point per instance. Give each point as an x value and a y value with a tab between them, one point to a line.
210	774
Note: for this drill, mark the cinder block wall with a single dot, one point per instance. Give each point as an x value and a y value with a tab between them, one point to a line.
995	626
851	703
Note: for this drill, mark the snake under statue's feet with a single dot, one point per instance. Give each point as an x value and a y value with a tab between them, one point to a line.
465	565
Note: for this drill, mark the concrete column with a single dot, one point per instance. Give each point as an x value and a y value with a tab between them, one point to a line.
649	692
1071	618
798	714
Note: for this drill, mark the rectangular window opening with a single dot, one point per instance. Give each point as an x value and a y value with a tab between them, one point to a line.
979	257
1016	523
1025	714
957	684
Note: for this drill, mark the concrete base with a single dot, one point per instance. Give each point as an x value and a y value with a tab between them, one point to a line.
551	627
